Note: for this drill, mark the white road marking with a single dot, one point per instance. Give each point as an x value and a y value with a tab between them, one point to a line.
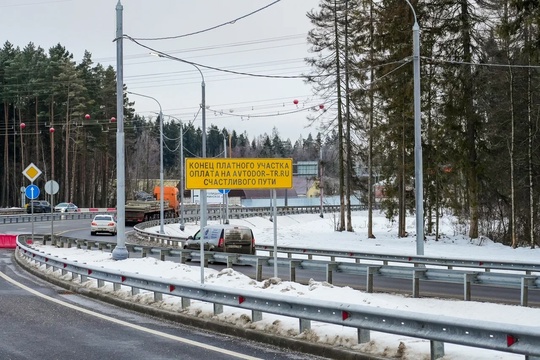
127	324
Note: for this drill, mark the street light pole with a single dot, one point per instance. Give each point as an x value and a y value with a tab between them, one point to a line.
182	224
120	252
161	191
203	112
418	171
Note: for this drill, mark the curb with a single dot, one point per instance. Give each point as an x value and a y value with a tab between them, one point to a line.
219	327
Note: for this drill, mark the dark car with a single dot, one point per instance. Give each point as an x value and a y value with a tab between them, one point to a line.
224	238
39	206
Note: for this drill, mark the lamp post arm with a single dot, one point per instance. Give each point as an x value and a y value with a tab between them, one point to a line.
161	190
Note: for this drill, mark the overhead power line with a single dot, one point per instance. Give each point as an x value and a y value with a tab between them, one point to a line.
165	55
230	22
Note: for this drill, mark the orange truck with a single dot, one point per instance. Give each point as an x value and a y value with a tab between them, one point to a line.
138	211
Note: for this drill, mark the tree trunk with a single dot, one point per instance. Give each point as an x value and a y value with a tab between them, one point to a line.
5	189
512	144
349	161
340	126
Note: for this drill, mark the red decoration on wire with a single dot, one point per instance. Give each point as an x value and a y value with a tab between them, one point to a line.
51	130
113	119
295	101
321	106
87	116
23	125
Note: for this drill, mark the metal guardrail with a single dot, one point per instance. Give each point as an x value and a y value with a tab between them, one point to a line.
438	330
415	274
42	217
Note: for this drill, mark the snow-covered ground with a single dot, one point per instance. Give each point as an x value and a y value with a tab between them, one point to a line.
311	231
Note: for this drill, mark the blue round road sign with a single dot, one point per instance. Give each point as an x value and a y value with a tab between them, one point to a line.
224	191
32	191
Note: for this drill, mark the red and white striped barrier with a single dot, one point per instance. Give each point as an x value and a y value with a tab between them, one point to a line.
97	210
8	241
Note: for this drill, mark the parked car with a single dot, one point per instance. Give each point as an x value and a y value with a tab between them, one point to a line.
66	207
223	238
103	224
38	206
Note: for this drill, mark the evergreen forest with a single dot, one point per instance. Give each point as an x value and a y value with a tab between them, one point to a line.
480	113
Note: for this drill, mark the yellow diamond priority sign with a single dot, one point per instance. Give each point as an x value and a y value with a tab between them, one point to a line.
32	172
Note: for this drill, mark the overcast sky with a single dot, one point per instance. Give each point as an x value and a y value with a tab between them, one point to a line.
270	42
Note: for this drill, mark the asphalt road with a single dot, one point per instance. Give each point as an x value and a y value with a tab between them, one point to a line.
42	321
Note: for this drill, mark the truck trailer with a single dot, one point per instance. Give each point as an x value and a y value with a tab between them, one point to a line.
138	210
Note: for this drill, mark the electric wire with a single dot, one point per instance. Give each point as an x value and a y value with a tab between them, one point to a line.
230	22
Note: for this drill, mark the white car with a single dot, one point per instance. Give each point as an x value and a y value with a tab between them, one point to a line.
103	224
66	207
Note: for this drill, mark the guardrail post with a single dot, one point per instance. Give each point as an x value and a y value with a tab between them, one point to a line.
231	259
436	349
467	279
330	268
84	278
256	315
158	296
144	252
305	325
100	283
293	264
371	271
74	275
64	272
162	254
218	309
418	274
364	336
117	286
207	259
184	255
185	302
258	270
135	291
526	281
53	240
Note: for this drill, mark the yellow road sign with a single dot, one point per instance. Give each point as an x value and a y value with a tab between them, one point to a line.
239	173
32	172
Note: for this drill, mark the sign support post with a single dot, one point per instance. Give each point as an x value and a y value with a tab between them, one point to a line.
32	172
51	188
